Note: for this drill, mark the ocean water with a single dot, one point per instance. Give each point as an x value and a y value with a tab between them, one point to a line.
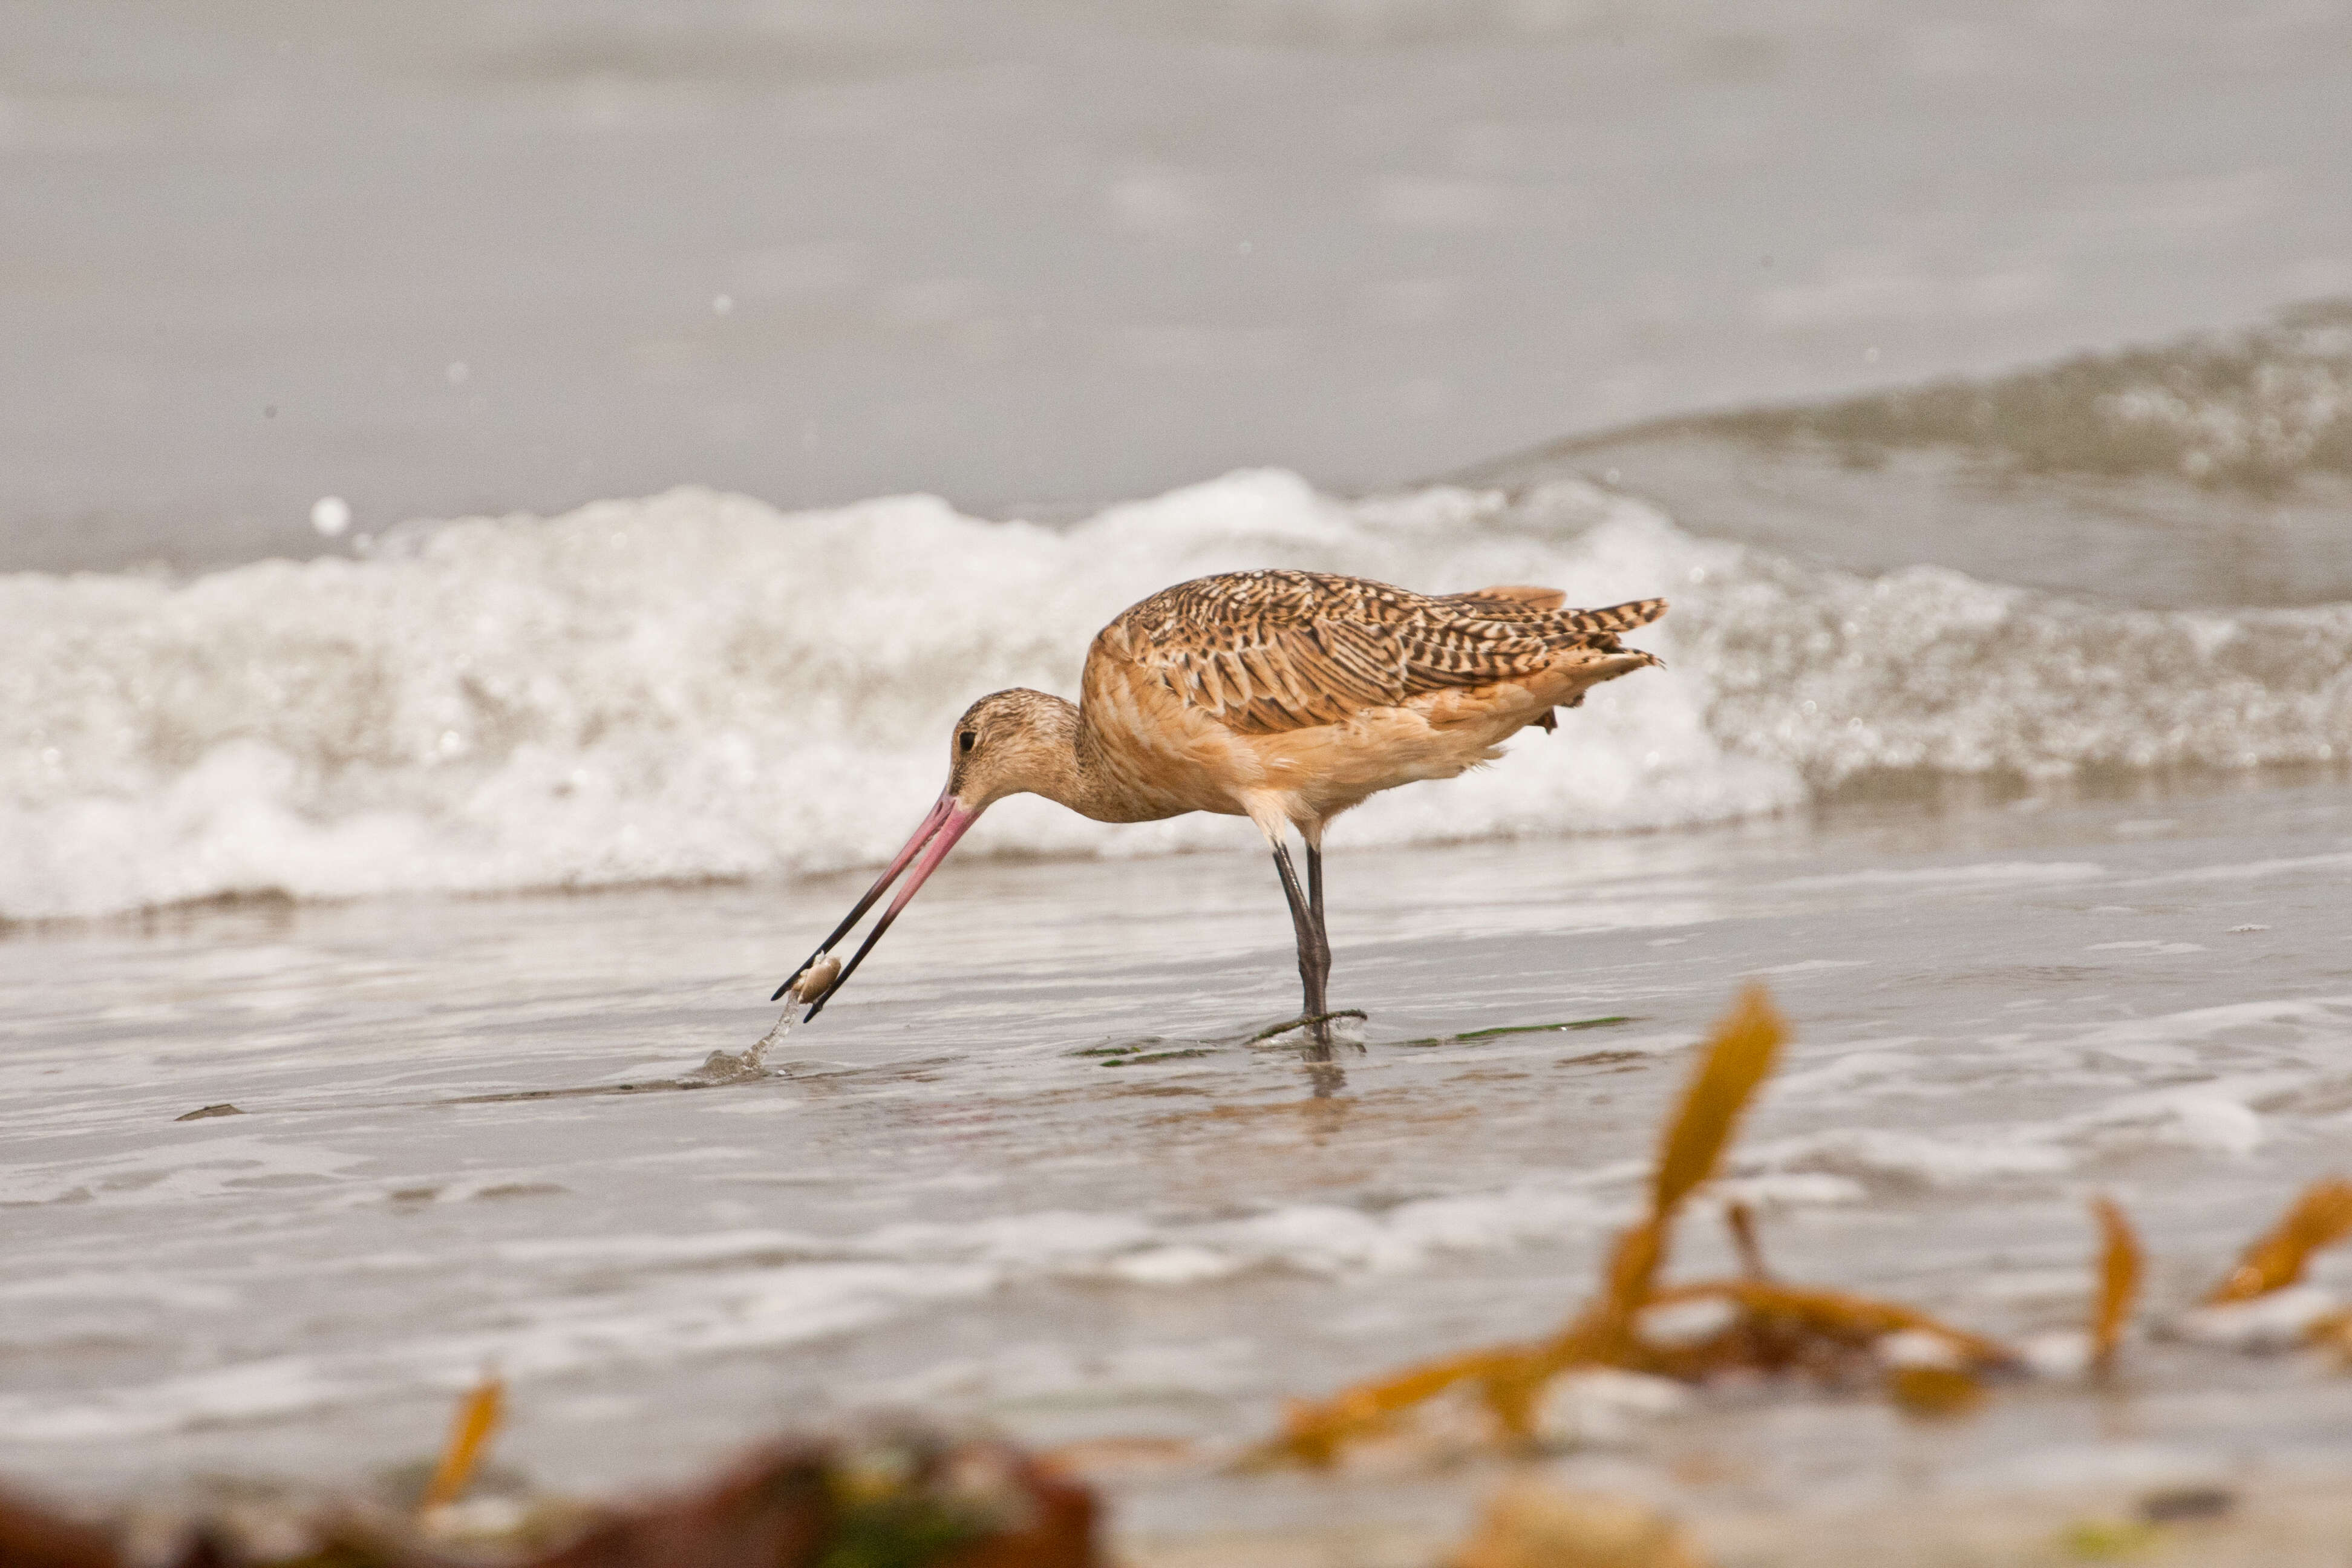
2213	470
456	257
1027	1171
461	870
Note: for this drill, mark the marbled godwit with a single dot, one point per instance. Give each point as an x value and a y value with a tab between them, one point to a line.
1284	697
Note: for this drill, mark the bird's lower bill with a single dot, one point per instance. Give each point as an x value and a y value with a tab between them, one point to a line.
947	820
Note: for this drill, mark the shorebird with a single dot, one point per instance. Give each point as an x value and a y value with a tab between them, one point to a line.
1284	697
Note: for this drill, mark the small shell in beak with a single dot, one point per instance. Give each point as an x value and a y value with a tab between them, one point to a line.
811	983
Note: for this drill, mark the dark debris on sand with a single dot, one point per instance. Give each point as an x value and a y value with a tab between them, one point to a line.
895	1502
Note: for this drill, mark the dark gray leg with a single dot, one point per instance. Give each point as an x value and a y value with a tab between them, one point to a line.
1314	953
1314	908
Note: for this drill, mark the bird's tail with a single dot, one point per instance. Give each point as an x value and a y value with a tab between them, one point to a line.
1616	618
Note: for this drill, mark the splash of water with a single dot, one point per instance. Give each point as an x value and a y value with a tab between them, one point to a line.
726	1066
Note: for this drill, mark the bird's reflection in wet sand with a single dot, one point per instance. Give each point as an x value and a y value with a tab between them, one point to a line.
1323	1077
1318	1051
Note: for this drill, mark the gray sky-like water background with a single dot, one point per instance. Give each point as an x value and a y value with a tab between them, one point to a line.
443	259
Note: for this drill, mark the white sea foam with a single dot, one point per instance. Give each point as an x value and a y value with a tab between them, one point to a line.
1907	1158
2277	1322
664	1320
698	686
2002	874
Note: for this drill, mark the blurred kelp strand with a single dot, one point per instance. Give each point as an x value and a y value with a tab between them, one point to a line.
1759	1324
2120	1267
1744	1046
904	1498
2321	1216
1688	1332
1740	1221
469	1433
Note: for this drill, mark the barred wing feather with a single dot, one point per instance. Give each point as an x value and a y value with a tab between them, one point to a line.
1266	652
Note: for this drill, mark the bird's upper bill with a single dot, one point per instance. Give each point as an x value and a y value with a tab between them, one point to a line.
947	820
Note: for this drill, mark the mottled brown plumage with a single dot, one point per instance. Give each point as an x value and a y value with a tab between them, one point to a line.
1270	652
1285	697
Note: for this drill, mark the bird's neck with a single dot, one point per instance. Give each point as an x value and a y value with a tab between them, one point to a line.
1073	767
1070	766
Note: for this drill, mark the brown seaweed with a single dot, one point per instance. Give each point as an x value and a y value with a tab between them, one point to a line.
470	1433
1740	1221
2120	1267
2320	1217
1511	1379
1767	1326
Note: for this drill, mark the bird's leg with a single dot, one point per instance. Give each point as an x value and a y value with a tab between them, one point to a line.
1314	908
1314	883
1314	957
1325	1078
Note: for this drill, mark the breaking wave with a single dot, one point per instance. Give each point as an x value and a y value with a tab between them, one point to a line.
698	686
2258	411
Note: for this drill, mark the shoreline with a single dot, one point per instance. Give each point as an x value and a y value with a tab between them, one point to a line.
2260	1520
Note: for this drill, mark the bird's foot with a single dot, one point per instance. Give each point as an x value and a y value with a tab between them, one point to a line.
1320	1023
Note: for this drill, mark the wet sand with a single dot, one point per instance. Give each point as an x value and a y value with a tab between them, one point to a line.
2290	1520
1027	1172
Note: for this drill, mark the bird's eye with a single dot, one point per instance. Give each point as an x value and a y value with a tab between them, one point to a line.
967	740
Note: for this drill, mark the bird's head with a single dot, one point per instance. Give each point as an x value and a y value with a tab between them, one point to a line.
1008	742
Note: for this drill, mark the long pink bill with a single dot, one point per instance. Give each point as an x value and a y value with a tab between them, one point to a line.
952	825
930	824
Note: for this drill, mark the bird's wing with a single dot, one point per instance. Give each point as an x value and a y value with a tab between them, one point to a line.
1514	593
1264	652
